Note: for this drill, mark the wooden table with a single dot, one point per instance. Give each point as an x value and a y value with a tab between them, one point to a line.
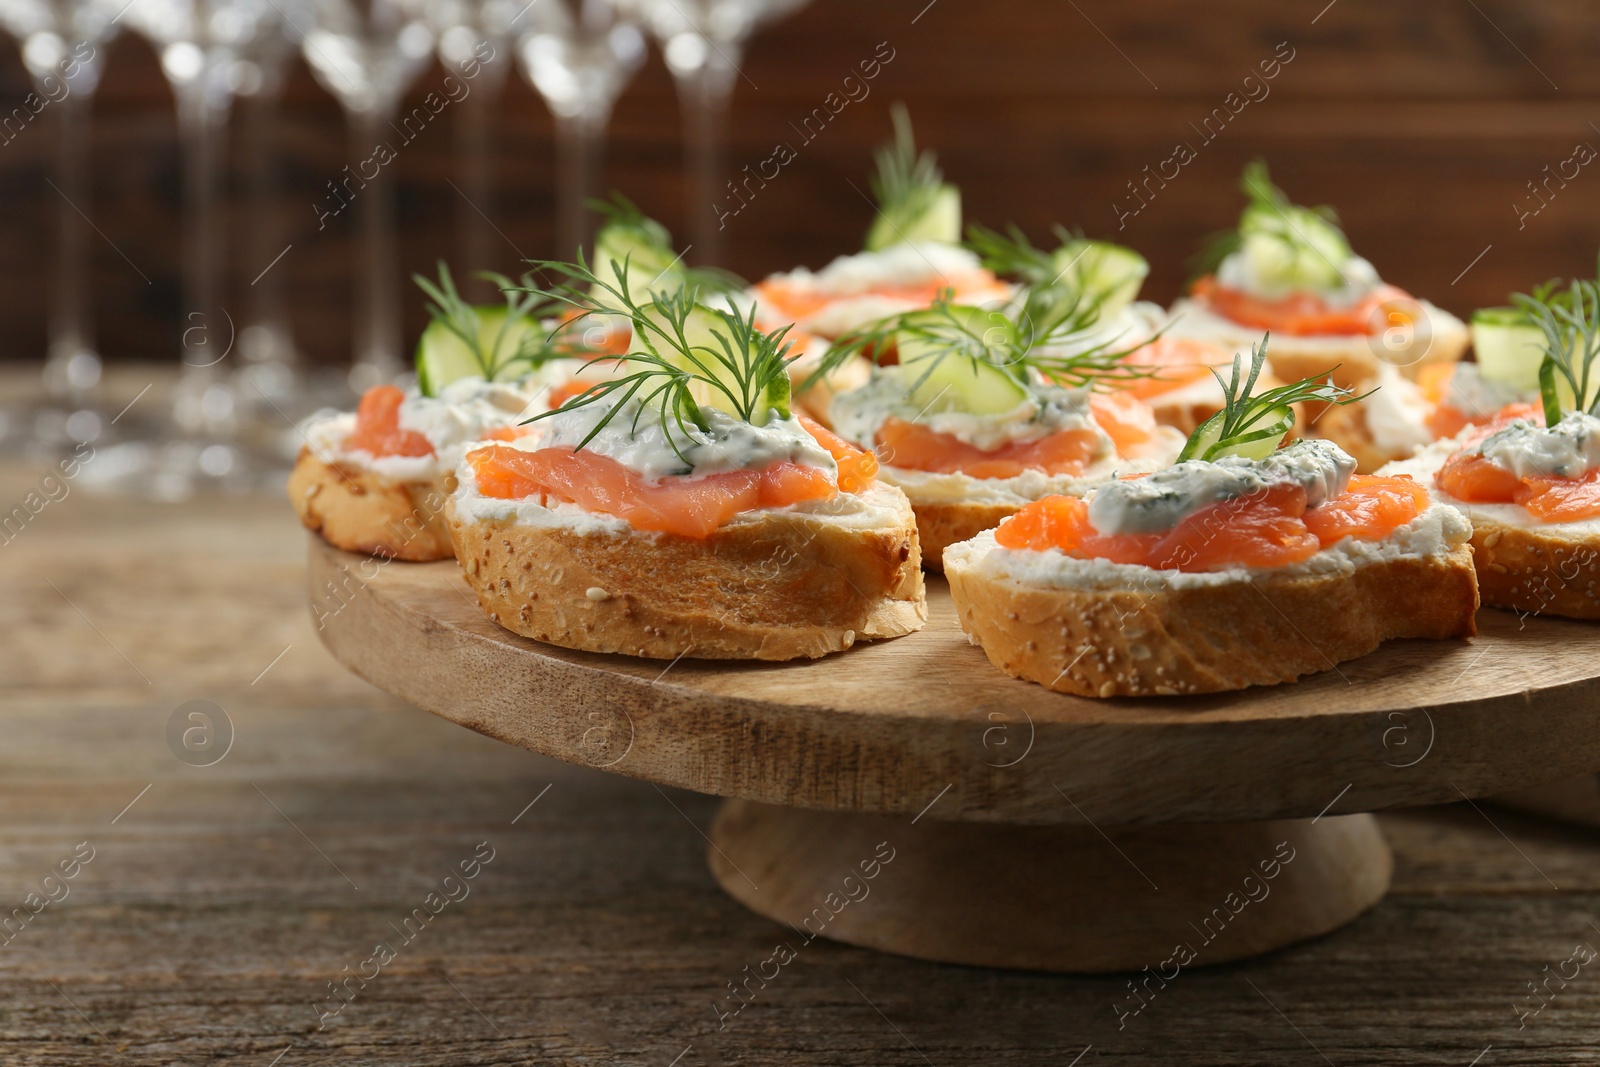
222	900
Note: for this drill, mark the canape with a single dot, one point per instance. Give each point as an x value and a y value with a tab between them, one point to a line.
1529	480
680	508
1402	415
376	480
984	410
1175	373
1244	564
1290	270
911	255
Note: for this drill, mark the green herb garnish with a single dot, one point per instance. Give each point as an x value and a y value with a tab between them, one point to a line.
684	356
915	203
1569	321
1252	425
1291	246
493	341
628	233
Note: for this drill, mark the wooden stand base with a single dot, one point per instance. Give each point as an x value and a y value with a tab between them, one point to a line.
1053	898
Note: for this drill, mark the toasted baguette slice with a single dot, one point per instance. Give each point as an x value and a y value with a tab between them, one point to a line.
776	584
956	507
1442	339
360	510
1543	568
1101	630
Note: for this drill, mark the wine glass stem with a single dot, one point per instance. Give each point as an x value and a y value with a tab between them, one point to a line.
473	206
578	148
265	227
378	326
208	331
703	94
70	323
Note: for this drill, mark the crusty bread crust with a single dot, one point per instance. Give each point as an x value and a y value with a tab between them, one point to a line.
1538	570
1212	638
1346	426
789	586
942	524
1358	360
361	511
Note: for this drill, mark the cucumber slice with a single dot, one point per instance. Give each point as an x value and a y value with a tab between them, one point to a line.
646	247
1103	272
443	356
1258	444
1509	347
942	380
1293	248
934	217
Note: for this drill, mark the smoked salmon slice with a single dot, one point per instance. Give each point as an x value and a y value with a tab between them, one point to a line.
1127	420
913	446
1560	499
689	507
378	429
1303	314
1271	528
1370	509
857	467
1175	361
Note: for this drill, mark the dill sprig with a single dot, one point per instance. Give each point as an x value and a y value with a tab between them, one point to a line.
907	185
1049	333
529	347
684	354
1247	417
1013	255
1569	319
1271	214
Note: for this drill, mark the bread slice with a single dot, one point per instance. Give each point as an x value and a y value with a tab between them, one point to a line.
1524	565
775	584
1101	630
954	507
360	510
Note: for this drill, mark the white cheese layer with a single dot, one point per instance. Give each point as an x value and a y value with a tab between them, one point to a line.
927	487
1435	532
638	438
1158	502
876	508
1397	414
1569	449
460	416
1238	271
1047	409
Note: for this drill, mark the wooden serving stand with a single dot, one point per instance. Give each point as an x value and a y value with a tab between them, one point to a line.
1023	828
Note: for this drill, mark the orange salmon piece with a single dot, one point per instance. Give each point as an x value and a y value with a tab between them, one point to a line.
915	447
1301	314
1370	509
1126	419
1560	499
688	507
378	429
857	467
1177	362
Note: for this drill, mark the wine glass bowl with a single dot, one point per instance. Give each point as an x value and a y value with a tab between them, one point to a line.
579	61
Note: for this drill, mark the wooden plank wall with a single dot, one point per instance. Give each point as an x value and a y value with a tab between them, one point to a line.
1423	122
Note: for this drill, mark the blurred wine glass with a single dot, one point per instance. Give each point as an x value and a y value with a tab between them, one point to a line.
475	35
367	55
62	44
703	43
579	56
205	47
269	372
